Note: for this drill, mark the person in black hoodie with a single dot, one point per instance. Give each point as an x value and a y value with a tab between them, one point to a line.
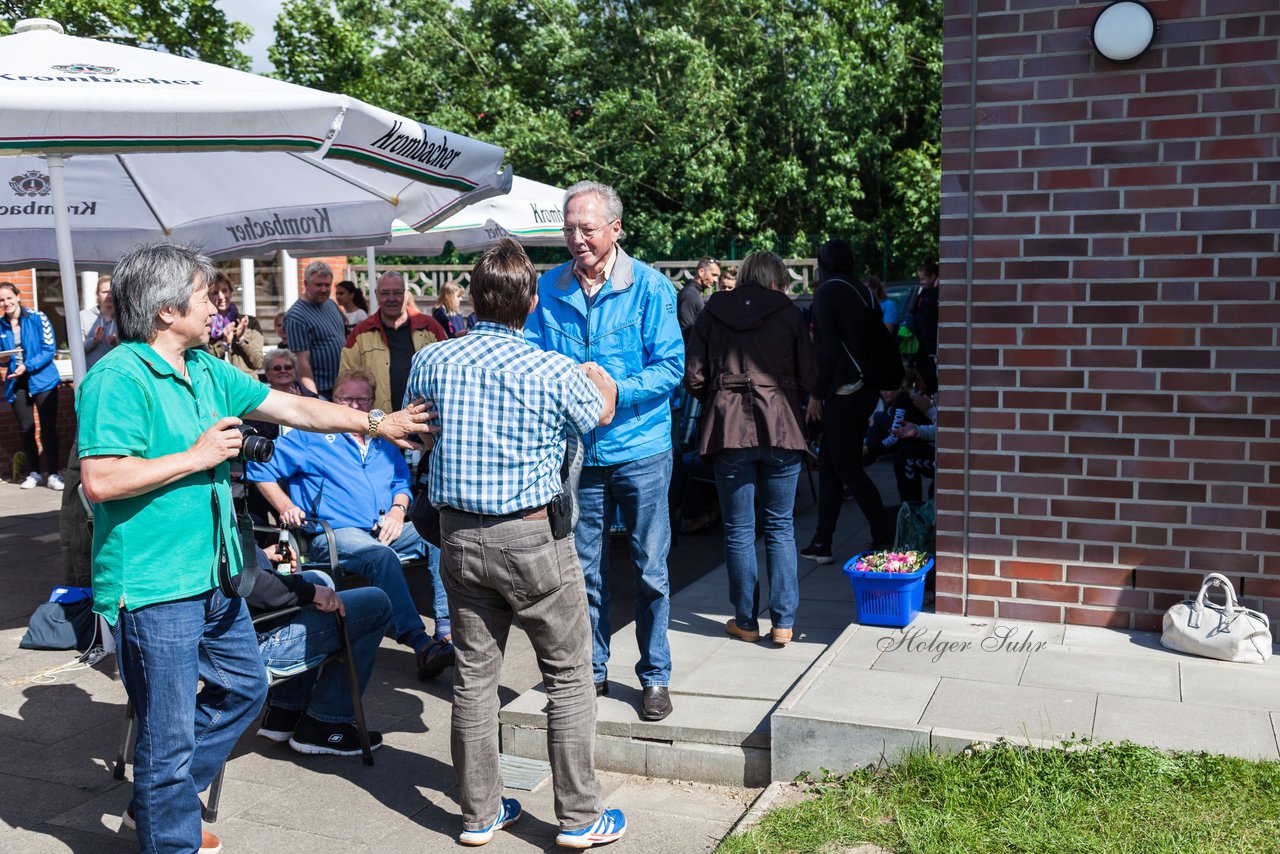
841	400
313	711
750	360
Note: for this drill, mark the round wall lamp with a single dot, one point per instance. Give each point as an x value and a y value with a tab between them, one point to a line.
1123	31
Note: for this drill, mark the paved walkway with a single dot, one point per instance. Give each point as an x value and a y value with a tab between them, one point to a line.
59	733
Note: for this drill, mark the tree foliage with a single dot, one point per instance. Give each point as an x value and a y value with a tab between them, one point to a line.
192	28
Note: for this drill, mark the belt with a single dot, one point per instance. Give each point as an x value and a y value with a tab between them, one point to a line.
533	515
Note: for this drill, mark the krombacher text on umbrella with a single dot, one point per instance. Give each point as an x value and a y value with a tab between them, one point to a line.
425	152
278	226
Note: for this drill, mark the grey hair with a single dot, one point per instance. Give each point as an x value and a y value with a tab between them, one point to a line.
153	277
392	273
608	197
765	268
316	268
281	353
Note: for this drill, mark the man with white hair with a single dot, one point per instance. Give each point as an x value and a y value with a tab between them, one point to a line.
315	330
605	308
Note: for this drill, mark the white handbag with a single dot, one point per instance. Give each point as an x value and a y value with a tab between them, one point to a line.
1228	632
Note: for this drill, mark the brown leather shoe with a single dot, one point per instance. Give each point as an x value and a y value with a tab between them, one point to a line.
657	703
735	631
780	636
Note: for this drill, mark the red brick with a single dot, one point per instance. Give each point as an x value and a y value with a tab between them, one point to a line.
1182	359
1030	570
1101	445
1227	517
1177	268
1167	244
1252	75
1205	538
1142	176
1195	448
979	608
1048	592
1103	358
1139	152
1025	611
1217	173
1228	195
1122	380
1105	269
1169	514
1181	128
1223	54
1151	536
1225	562
1213	404
1076	508
1243	242
1233	473
1260	336
1195	382
1113	576
1156	336
1014	484
1184	492
1155	469
1107	618
1100	488
1117	598
1238	100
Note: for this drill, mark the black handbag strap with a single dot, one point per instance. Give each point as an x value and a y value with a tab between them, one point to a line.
232	586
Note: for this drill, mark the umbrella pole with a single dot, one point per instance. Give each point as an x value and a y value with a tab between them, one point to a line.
371	261
66	266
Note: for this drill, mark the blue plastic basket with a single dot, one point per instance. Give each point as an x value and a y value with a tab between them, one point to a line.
887	598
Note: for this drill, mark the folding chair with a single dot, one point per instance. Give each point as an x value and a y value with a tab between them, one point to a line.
209	811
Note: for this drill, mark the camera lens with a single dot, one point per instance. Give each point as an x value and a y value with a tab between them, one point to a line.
255	448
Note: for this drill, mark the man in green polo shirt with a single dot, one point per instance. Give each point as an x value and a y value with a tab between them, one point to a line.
157	422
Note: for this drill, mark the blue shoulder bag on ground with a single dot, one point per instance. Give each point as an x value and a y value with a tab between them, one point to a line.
66	621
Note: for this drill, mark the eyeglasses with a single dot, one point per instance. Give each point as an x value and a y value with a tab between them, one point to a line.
280	368
346	401
586	232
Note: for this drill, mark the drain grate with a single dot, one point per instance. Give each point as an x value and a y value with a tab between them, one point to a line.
525	774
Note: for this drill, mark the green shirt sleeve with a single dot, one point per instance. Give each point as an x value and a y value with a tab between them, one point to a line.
241	393
108	406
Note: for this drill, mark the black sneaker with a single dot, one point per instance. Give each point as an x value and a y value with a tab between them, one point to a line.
315	737
817	553
279	724
434	658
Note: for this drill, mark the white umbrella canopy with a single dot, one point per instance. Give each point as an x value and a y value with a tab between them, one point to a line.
281	200
61	95
531	214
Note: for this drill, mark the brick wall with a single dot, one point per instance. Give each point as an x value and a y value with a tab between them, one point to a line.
11	440
1109	351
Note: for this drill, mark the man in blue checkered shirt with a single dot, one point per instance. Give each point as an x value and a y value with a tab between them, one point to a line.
506	409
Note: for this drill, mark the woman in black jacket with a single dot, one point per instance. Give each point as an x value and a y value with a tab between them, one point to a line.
750	361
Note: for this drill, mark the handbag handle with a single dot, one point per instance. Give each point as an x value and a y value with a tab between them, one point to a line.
1217	579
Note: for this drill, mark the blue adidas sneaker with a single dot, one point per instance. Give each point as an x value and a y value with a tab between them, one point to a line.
508	814
609	827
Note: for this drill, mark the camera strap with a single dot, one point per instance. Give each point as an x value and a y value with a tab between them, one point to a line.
232	586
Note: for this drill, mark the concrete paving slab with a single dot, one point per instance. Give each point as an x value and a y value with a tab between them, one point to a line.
937	653
1186	726
732	672
1102	672
1010	710
1144	644
26	803
859	646
858	695
50	839
1217	683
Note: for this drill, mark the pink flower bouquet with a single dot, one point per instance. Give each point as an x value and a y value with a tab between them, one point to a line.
892	562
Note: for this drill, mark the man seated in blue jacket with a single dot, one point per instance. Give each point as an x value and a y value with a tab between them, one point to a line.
361	488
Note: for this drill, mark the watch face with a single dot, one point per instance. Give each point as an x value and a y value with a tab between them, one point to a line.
377	413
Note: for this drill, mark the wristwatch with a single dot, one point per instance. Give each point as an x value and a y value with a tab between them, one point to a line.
375	421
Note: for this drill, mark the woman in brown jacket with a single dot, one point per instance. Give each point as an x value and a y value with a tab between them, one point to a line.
750	361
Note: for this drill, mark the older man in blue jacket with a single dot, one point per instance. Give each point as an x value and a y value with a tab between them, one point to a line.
606	308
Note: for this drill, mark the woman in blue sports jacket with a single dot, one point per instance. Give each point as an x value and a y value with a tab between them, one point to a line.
31	384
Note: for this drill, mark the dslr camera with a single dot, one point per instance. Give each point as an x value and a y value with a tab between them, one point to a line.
254	448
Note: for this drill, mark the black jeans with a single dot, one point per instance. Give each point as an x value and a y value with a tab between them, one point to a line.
25	405
844	425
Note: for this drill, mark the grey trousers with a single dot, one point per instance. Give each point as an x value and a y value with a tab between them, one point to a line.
494	569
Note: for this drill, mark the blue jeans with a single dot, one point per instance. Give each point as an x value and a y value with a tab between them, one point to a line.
739	473
311	635
360	552
639	489
184	737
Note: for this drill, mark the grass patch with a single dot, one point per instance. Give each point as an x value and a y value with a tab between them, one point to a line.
1002	798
